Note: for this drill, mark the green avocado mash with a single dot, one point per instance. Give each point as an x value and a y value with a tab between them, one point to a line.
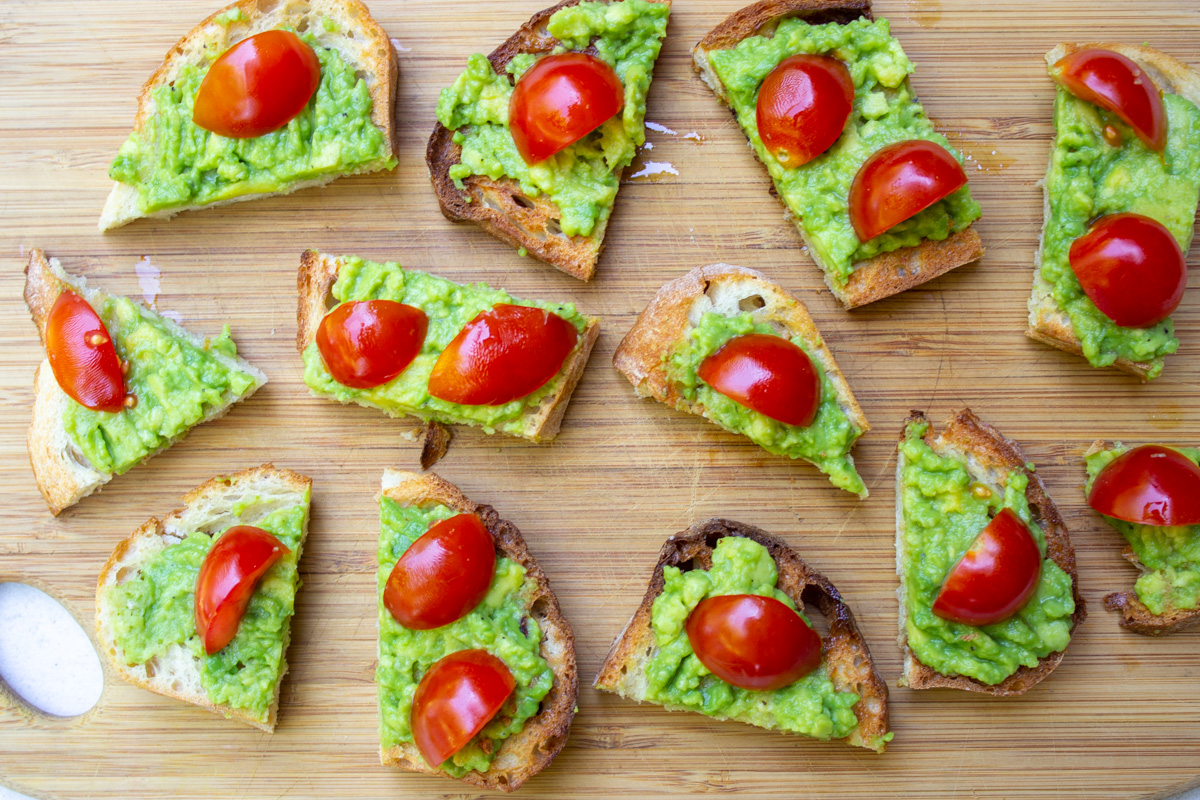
943	513
499	625
156	610
1170	554
885	112
1089	178
449	307
581	179
176	384
173	163
826	443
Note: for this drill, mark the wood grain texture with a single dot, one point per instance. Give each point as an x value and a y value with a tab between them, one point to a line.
1121	716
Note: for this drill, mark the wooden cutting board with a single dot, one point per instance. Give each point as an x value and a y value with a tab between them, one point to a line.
1120	717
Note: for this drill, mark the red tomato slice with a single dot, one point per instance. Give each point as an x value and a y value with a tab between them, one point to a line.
900	181
443	575
995	577
803	106
559	100
501	355
768	374
1116	83
752	642
82	355
1132	269
1149	485
228	576
456	698
257	85
367	343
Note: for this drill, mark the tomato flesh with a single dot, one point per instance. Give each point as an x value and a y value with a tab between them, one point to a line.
257	85
995	577
1149	485
768	374
455	699
367	343
559	100
503	354
900	181
752	642
1132	268
443	575
228	576
1116	83
803	105
82	355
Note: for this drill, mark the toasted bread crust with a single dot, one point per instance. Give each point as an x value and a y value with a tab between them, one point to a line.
533	748
995	455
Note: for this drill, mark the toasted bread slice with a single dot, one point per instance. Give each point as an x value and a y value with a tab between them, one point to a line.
989	458
531	750
845	652
1049	324
242	498
886	274
63	473
356	37
729	291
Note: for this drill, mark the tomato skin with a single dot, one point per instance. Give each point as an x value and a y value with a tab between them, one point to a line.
995	577
1149	485
367	343
455	699
802	108
257	86
503	354
82	355
1114	82
559	100
752	642
443	575
900	181
1132	268
768	374
228	576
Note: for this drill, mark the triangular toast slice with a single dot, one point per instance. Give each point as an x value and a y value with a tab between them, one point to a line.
62	466
150	580
543	734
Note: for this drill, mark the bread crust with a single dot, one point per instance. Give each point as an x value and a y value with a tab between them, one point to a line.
845	651
990	457
533	748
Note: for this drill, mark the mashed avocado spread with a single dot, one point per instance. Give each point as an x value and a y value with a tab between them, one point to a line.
156	610
1170	554
885	112
499	625
581	179
826	442
944	510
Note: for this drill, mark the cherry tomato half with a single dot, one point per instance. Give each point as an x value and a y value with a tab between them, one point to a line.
456	698
257	85
367	343
82	355
228	576
995	577
443	575
900	181
559	100
501	355
1116	83
1149	485
803	105
752	642
768	374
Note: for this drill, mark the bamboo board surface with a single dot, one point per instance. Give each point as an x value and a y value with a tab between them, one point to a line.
1120	717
